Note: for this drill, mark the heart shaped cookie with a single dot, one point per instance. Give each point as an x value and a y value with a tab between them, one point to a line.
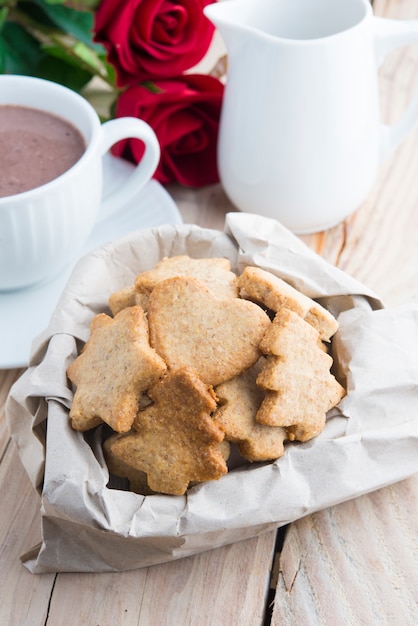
190	326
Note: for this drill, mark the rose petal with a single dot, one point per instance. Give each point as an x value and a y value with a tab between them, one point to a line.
152	38
184	113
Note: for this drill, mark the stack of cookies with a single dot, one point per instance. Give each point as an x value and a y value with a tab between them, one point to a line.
195	358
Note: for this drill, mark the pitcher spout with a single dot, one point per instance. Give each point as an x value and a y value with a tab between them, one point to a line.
233	19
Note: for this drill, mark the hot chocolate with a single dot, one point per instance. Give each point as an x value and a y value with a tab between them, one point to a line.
35	148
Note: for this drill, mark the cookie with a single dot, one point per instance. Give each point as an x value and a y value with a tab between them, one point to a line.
239	400
299	386
190	326
264	287
137	478
175	440
115	367
215	273
128	296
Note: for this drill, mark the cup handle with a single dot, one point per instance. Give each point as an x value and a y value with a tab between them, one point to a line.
122	128
391	34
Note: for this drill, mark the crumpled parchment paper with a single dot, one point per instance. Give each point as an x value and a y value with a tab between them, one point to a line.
370	439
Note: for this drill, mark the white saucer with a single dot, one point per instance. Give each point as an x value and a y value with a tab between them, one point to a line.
25	313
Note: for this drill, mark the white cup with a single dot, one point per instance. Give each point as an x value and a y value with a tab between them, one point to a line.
300	137
44	229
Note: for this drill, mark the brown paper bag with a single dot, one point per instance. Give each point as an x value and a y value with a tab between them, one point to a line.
370	440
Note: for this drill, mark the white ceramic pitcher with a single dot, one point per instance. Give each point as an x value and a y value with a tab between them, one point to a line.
300	136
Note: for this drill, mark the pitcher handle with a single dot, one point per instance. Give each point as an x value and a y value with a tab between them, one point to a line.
391	34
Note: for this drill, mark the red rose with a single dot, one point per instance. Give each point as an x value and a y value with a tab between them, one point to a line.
152	38
184	113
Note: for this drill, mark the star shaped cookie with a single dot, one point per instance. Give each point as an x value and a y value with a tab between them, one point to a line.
116	366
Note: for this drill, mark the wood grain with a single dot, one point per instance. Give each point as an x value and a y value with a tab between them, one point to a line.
352	564
173	593
225	586
24	598
7	378
356	564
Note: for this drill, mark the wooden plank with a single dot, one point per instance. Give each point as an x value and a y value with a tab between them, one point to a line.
377	244
353	564
357	563
7	378
323	565
24	598
228	585
239	571
205	207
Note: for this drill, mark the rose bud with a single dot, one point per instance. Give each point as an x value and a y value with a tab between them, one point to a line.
184	113
152	38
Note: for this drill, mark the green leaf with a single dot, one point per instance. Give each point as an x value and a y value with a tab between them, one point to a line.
78	55
59	71
3	15
58	52
81	5
87	55
110	72
79	24
3	57
47	39
152	87
20	53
